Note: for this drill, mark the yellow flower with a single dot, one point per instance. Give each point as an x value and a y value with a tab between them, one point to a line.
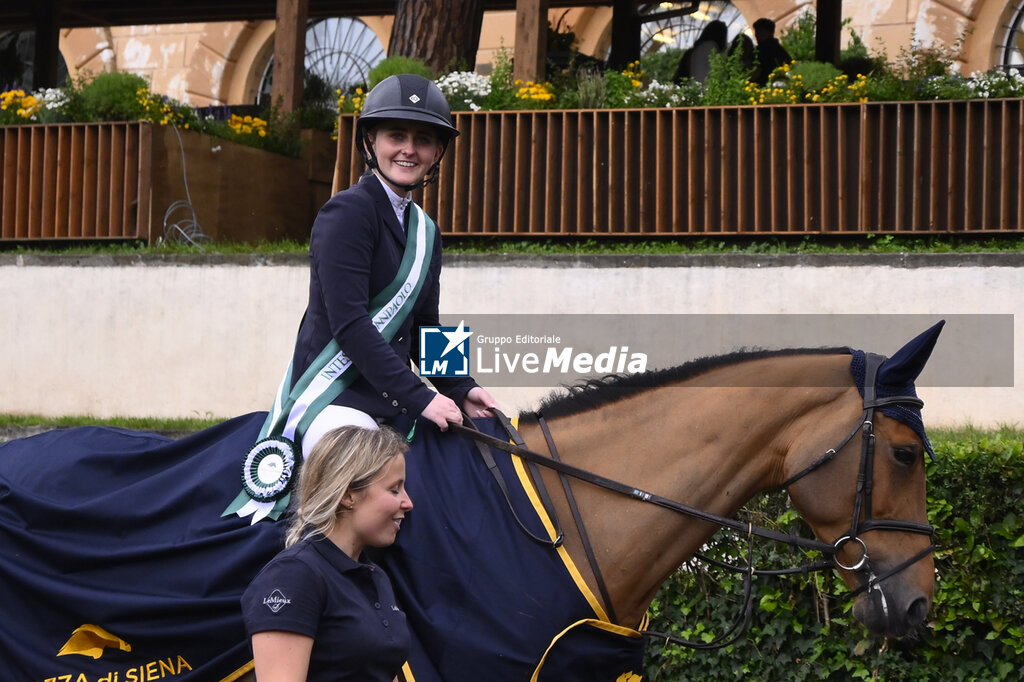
9	96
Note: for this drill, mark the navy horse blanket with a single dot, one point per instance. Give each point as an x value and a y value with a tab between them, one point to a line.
117	566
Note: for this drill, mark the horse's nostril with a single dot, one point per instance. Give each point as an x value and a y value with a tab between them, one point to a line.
917	611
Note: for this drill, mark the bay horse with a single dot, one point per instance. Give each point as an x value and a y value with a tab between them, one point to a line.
838	429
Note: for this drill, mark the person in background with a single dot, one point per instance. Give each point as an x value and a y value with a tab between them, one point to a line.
696	61
320	610
770	52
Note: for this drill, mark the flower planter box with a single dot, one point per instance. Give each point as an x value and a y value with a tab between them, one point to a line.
117	181
898	168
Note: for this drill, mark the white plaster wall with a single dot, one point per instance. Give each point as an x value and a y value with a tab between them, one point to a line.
176	338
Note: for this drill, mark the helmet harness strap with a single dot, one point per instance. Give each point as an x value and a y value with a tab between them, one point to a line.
370	157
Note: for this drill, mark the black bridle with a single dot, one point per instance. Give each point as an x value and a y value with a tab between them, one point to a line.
862	519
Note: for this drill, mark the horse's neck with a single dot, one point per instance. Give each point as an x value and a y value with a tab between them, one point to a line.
711	443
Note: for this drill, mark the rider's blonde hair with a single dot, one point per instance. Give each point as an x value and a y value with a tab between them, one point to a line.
346	459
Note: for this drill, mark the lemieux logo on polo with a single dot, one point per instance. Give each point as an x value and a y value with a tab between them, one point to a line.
276	601
444	351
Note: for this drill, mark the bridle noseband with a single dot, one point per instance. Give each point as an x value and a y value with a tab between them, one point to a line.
862	520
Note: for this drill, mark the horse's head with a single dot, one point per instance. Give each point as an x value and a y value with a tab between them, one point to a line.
869	497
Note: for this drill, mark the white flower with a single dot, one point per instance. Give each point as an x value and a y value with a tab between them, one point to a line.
657	94
469	82
52	99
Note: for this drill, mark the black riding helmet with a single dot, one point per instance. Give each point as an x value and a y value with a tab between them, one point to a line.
405	97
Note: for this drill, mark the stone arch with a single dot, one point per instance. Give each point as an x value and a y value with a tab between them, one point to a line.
214	65
249	59
782	12
984	45
88	50
945	24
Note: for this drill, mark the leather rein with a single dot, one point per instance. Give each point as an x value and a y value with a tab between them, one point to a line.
862	519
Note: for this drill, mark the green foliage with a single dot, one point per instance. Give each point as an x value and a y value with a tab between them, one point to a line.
974	502
195	423
113	96
319	107
916	63
870	243
803	627
885	86
619	87
661	65
995	83
503	88
278	132
808	82
815	75
855	48
392	66
727	84
905	76
110	96
949	86
798	37
590	90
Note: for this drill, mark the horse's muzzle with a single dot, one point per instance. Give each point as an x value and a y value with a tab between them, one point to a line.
892	609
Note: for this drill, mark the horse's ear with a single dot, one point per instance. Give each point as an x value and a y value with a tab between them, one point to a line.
906	364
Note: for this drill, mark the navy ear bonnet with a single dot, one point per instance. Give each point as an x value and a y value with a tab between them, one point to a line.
896	377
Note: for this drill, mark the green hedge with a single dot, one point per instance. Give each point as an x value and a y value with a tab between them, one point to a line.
802	627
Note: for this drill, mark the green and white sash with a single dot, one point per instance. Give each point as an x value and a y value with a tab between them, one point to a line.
271	465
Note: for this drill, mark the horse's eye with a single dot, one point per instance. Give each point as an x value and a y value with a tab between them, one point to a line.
905	456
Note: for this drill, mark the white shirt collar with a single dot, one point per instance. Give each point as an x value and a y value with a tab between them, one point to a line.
398	203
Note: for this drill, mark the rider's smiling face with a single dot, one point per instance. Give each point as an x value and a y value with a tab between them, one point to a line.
405	151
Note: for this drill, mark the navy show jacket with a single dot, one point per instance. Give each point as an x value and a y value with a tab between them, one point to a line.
356	247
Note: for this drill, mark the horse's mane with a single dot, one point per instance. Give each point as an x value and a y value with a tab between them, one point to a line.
594	393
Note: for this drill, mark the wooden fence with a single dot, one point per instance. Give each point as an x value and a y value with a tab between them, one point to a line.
903	167
135	181
75	181
899	168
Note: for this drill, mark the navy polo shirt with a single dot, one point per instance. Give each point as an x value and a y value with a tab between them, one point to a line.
313	588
